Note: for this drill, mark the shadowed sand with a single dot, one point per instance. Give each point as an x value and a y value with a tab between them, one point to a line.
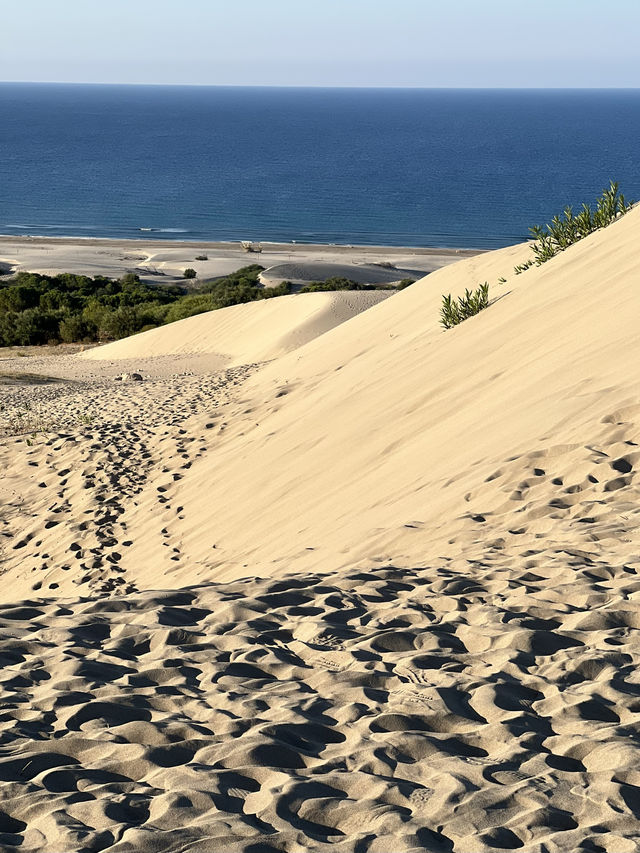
368	586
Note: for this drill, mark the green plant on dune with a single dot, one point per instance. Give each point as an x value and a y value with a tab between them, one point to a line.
523	266
565	230
455	311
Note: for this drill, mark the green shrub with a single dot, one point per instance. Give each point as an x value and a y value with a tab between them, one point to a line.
130	280
405	282
202	258
189	273
74	328
335	283
36	309
35	326
283	289
473	301
189	306
565	230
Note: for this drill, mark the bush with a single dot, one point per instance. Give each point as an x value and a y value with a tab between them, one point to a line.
405	283
471	303
35	326
74	328
189	306
189	273
202	258
119	323
565	230
335	283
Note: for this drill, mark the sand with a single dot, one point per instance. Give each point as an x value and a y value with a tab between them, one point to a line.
370	589
160	262
256	331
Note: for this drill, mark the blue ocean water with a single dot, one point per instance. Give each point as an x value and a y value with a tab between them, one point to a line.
406	167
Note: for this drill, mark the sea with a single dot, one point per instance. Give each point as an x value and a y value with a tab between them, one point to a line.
399	167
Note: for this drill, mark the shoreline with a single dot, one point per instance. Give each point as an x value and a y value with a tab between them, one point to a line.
220	245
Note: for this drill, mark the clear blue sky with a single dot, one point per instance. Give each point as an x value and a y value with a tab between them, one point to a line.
562	43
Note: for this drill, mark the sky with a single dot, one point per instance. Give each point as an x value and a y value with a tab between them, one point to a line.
416	43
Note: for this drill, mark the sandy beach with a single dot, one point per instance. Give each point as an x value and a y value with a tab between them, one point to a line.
326	576
164	262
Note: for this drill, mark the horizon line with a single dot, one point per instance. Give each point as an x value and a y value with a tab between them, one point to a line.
313	86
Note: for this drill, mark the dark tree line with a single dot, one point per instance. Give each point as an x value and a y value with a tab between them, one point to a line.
42	309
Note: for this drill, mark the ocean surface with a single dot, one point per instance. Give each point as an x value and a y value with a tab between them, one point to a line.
459	168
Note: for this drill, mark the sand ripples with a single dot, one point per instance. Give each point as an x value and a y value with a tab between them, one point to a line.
369	710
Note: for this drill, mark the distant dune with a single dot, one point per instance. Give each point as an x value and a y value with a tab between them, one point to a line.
256	331
302	273
380	593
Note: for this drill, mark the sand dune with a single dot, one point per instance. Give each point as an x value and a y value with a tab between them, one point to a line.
302	273
257	331
380	593
400	422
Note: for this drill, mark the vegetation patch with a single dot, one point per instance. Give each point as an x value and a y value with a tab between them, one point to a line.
454	311
565	230
40	309
340	283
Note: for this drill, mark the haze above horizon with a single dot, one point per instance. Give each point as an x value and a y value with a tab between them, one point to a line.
407	43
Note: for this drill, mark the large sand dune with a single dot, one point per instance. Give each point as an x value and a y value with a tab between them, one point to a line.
440	650
402	423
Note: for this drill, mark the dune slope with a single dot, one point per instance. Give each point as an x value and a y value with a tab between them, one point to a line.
378	439
240	334
442	651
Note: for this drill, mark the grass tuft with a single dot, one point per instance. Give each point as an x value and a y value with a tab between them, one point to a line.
454	312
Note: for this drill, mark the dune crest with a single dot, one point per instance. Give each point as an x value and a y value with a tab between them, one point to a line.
240	334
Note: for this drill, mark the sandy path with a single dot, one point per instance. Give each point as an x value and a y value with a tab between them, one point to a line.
94	449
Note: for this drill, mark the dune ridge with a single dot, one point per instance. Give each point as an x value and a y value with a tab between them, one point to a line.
379	593
258	331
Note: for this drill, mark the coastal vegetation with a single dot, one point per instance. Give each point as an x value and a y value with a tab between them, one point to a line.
565	230
340	283
40	309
